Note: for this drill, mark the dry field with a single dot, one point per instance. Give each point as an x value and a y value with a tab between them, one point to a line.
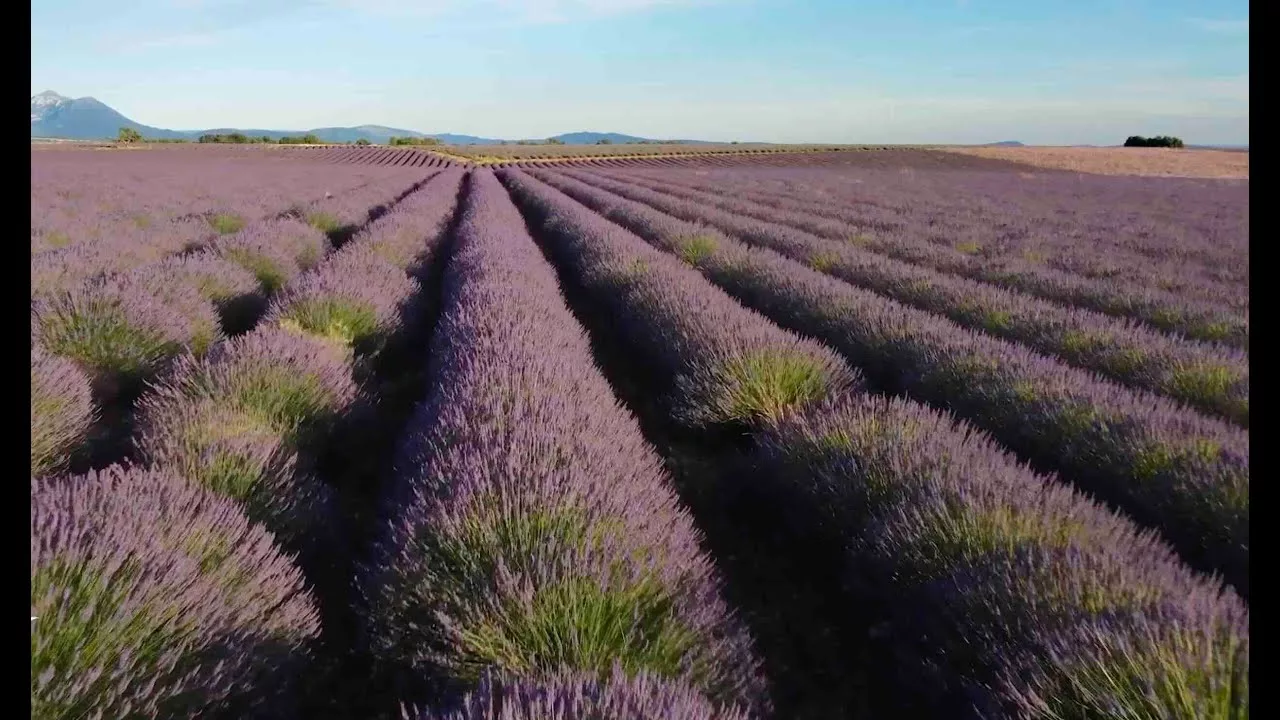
1151	162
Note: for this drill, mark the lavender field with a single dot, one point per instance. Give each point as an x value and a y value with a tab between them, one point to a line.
376	433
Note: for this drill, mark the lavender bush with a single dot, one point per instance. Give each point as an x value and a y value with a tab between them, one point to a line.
121	332
410	234
275	252
151	597
1023	597
236	422
232	289
357	300
61	411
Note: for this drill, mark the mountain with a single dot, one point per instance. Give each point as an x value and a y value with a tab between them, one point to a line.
591	138
452	139
1004	143
53	115
56	116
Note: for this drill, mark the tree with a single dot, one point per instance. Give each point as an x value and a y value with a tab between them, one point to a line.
1157	141
604	141
129	135
554	141
362	141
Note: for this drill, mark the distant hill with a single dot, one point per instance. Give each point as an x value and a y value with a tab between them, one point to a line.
1004	143
57	116
592	138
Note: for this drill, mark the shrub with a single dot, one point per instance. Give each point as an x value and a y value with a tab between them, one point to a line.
151	597
121	332
61	410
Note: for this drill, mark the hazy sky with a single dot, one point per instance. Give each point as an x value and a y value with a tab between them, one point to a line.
1039	71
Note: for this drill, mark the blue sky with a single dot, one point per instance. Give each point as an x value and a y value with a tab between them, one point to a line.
1044	71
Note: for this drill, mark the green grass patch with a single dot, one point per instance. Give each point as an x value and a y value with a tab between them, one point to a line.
696	249
766	384
270	275
338	319
579	625
226	223
103	341
1164	678
997	320
323	221
822	262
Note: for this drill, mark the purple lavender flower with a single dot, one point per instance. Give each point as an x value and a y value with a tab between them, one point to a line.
152	597
410	234
582	697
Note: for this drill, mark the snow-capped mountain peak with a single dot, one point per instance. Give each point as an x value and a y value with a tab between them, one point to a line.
44	102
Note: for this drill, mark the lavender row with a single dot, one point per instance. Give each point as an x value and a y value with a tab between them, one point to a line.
531	528
1201	225
133	252
1161	309
1084	246
90	197
250	420
133	225
1170	469
1002	585
123	329
1009	594
581	696
729	364
969	240
151	597
1210	378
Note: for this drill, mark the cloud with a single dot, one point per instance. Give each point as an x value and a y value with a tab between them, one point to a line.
1221	27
